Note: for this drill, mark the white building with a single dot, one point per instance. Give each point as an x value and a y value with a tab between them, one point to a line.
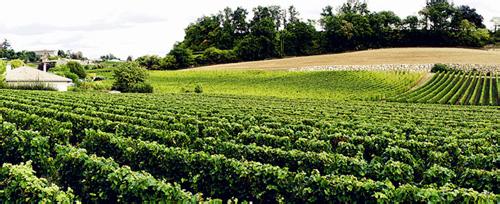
27	76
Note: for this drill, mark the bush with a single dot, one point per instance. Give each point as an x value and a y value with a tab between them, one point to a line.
168	62
92	86
441	68
141	88
131	78
216	56
77	68
183	57
16	63
198	88
72	76
151	62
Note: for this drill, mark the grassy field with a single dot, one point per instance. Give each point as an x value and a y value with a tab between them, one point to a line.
344	85
380	56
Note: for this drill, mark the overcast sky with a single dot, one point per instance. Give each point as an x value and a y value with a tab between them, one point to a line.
139	27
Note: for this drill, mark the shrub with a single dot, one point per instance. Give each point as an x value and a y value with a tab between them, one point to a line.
168	62
72	76
213	55
200	60
131	78
92	86
441	68
141	88
198	88
16	63
77	68
183	56
151	62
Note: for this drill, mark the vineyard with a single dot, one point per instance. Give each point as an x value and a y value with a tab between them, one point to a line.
456	88
90	147
342	85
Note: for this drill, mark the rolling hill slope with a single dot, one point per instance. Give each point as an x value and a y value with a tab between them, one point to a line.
374	57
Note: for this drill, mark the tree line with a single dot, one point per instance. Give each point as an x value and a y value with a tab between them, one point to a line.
274	32
6	52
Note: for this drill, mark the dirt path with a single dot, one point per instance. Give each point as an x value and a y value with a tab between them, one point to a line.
426	78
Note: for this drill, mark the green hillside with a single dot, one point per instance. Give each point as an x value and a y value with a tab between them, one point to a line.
343	85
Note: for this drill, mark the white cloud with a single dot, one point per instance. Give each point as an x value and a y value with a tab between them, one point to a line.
139	27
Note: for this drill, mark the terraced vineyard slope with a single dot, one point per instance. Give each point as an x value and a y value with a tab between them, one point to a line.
456	88
196	148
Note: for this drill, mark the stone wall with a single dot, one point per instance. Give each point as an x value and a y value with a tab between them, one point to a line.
400	67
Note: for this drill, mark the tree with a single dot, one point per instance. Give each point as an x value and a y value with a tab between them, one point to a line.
130	59
216	56
203	34
261	43
247	49
469	14
76	55
62	54
385	26
151	62
298	38
168	63
5	45
183	56
27	56
411	23
327	11
238	21
469	35
337	33
439	14
270	12
109	57
130	77
293	15
355	8
226	34
77	68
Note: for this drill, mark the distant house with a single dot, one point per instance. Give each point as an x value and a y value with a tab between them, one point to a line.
496	22
45	53
27	76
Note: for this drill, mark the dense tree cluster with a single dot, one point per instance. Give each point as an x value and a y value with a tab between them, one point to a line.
6	52
109	57
275	32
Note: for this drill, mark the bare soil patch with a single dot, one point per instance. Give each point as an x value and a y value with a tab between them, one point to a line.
372	57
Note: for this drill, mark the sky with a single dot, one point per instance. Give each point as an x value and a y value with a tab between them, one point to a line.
140	27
